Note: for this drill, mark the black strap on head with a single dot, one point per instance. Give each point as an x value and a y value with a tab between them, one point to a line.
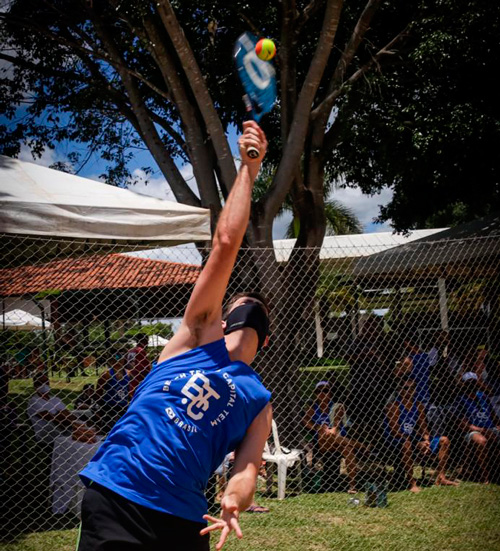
250	315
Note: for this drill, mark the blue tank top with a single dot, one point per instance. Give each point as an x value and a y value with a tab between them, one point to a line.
407	421
478	412
185	417
319	417
421	375
116	390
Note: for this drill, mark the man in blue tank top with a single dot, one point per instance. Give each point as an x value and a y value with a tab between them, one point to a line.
201	400
407	433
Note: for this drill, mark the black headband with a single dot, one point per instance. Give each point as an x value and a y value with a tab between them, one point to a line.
250	315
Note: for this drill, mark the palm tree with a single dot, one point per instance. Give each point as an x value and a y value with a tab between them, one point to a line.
340	219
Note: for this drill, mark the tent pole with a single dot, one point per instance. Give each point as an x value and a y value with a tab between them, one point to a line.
443	303
319	330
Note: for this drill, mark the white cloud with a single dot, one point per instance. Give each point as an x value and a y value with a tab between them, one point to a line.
365	207
153	186
157	186
49	156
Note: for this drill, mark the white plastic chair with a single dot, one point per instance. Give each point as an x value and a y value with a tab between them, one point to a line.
283	458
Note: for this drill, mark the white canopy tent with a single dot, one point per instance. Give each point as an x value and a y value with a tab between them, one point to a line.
39	201
19	320
154	341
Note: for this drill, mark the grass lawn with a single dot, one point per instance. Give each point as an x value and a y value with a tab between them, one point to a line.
466	518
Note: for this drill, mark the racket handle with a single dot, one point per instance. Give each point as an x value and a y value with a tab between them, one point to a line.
252	152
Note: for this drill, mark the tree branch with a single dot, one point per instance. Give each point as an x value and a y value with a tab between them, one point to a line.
72	45
312	8
148	130
39	68
375	60
288	67
196	144
362	26
300	125
200	91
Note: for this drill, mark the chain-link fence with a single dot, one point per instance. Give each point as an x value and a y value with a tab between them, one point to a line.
383	363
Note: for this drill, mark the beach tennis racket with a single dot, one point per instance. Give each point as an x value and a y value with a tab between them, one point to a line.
258	79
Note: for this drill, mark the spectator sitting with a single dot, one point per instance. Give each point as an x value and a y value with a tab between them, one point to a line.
112	391
480	423
331	426
86	398
138	364
406	431
49	416
477	361
493	384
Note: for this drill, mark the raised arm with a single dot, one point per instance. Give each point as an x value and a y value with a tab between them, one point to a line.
202	319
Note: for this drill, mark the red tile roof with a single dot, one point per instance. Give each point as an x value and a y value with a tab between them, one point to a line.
114	271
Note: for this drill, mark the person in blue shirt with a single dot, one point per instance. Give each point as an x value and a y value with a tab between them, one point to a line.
112	391
407	433
328	419
479	423
200	401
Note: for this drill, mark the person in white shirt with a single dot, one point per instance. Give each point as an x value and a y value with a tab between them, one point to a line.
48	415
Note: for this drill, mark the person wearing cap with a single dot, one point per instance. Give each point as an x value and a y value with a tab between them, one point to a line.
329	422
199	402
480	424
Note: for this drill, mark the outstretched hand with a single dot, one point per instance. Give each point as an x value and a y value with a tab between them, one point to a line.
253	136
227	522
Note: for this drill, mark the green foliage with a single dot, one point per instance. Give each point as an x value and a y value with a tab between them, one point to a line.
160	329
423	120
439	518
429	124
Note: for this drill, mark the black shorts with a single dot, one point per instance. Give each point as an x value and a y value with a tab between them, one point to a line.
112	523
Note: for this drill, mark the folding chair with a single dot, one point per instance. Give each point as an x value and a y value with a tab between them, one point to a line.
283	458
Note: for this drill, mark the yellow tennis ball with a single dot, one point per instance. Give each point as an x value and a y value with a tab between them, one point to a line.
265	49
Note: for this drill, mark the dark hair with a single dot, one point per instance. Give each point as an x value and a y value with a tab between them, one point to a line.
141	338
250	294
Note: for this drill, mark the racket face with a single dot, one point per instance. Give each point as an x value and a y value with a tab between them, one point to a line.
257	76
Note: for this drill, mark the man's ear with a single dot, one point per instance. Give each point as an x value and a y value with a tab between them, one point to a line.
224	325
266	342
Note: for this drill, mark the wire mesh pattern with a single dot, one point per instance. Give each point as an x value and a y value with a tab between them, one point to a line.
383	364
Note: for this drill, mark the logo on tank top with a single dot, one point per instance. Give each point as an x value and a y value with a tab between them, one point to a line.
200	400
199	397
408	427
